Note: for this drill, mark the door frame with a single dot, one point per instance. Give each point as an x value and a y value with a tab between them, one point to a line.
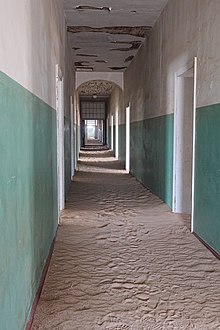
60	139
72	138
116	135
192	65
112	132
127	139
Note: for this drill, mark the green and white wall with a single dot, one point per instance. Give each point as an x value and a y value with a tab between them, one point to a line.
116	104
32	42
186	29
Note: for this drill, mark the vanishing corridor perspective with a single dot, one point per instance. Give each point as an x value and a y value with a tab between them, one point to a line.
109	164
122	260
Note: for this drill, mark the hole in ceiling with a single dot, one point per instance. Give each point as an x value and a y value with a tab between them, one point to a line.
133	11
93	8
76	48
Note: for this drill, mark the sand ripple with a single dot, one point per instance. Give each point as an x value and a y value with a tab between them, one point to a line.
123	261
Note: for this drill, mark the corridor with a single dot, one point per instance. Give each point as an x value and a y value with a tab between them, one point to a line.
122	260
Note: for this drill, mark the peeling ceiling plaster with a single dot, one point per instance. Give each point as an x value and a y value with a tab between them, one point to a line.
106	35
96	87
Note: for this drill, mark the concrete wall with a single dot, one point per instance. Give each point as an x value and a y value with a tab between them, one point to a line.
185	29
32	41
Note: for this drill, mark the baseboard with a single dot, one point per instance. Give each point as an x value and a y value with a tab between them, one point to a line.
215	253
38	294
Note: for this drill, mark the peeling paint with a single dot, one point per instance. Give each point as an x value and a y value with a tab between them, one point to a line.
81	63
134	45
85	68
87	55
126	42
117	68
98	87
101	61
93	8
137	31
129	58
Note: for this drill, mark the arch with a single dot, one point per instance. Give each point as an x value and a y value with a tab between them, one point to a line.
114	77
102	88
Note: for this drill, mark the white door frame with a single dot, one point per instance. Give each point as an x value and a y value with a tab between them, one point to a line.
75	133
72	138
178	74
60	139
127	157
107	132
194	140
116	135
112	132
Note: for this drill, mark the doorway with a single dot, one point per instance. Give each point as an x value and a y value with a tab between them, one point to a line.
94	132
184	137
60	139
116	135
112	132
127	157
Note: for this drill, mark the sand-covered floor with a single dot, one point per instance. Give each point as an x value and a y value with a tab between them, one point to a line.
122	260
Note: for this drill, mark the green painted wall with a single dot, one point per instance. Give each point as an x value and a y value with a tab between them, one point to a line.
152	154
122	143
109	136
207	176
114	131
28	198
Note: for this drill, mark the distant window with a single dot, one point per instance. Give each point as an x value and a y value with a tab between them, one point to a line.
92	110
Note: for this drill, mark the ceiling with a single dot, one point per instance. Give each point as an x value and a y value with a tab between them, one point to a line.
106	35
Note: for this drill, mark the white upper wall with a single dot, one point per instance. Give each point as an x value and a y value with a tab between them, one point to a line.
32	42
185	29
115	104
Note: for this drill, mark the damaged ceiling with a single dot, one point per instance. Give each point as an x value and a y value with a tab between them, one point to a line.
96	88
106	35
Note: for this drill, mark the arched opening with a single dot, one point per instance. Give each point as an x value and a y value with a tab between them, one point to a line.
101	112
